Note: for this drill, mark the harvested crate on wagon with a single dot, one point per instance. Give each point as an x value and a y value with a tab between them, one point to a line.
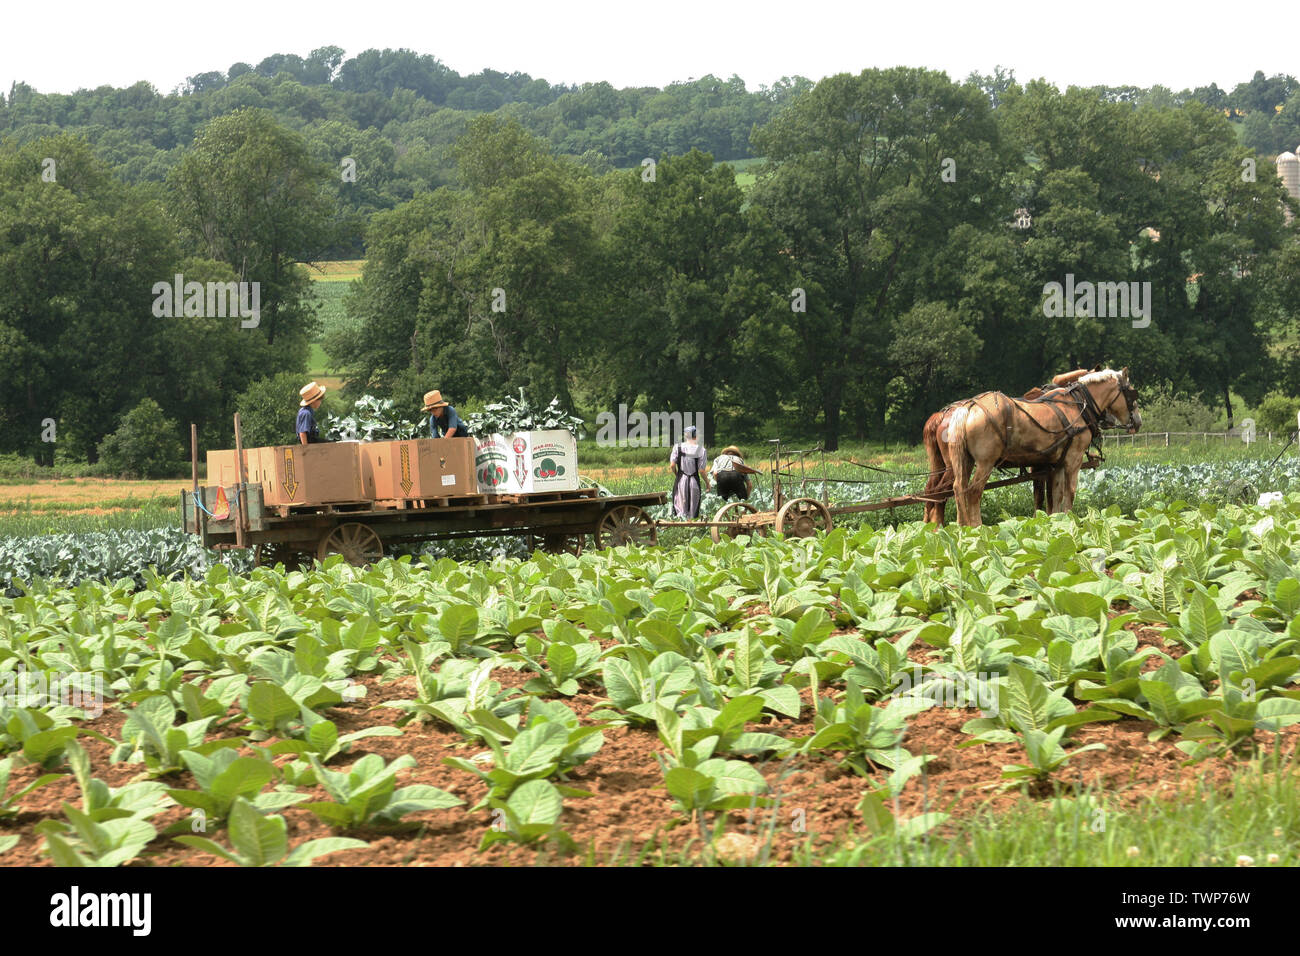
419	468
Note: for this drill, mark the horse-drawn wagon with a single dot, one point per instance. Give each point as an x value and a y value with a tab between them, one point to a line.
347	516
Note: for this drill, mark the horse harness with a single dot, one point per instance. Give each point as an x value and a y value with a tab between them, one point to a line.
1091	417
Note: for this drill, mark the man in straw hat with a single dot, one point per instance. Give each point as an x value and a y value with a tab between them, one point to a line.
443	420
730	473
308	432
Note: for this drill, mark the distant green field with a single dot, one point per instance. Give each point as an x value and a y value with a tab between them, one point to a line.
342	270
319	363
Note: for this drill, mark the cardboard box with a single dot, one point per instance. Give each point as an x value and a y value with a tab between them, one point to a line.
524	462
420	468
324	473
555	460
222	470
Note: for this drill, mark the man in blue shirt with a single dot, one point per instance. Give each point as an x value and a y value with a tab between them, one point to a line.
443	422
308	432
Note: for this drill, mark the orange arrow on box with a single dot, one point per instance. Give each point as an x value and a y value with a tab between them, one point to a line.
290	482
406	469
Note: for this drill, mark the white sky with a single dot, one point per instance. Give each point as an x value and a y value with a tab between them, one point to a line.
63	46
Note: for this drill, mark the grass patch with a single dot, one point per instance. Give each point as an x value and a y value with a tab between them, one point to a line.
1256	815
318	363
142	517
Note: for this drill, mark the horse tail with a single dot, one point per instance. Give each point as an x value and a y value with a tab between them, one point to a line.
940	478
958	455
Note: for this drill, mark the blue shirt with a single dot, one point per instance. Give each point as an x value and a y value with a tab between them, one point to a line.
307	423
439	427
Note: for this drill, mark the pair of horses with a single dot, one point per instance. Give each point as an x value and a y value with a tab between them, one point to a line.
1049	429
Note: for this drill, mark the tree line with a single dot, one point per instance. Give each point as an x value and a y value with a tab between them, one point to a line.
398	114
892	255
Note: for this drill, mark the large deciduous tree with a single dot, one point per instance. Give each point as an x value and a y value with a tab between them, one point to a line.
79	252
868	176
698	309
249	194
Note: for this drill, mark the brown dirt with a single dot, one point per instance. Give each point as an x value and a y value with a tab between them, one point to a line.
629	809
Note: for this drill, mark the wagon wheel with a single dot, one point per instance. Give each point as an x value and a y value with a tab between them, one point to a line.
358	543
735	528
803	518
557	543
271	553
626	524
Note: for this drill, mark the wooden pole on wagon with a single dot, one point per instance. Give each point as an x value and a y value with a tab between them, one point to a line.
241	518
194	472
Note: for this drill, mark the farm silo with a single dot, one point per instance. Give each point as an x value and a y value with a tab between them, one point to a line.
1288	167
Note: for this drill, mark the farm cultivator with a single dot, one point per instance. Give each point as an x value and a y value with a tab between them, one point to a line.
804	516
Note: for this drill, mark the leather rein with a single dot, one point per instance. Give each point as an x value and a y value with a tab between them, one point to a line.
1091	417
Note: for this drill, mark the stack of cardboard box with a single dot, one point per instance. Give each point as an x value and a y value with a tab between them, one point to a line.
352	472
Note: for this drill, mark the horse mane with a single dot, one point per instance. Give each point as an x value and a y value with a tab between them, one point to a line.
1096	378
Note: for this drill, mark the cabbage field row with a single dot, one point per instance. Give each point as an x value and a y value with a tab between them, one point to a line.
431	706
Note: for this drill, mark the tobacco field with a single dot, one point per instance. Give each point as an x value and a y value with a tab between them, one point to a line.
763	700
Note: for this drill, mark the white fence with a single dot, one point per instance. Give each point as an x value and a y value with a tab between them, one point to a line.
1147	439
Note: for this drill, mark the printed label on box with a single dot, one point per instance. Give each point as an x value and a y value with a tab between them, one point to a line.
448	479
554	460
490	463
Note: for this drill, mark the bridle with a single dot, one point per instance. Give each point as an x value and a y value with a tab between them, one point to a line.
1107	419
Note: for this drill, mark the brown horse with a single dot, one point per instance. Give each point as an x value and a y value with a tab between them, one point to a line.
940	481
993	429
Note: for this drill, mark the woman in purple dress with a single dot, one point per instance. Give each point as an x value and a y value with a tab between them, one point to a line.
689	462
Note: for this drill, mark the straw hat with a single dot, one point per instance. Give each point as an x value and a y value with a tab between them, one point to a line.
434	400
310	392
732	450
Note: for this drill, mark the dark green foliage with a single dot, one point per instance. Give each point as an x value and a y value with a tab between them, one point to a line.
145	444
1276	413
268	409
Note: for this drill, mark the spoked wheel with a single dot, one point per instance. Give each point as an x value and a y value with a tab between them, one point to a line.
730	512
803	518
358	543
626	524
563	543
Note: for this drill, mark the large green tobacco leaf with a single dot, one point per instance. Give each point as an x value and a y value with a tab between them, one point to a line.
225	777
259	840
85	842
530	815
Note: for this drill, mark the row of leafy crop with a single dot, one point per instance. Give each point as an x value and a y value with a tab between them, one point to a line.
1129	487
96	556
69	559
1027	620
1137	485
